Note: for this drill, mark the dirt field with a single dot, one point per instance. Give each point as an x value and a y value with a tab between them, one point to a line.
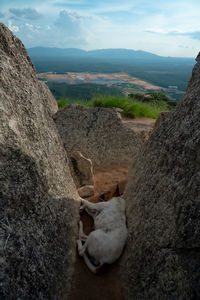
108	79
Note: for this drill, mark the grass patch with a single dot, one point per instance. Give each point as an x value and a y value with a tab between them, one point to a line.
65	101
131	107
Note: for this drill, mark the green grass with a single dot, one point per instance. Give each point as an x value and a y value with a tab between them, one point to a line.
65	101
131	107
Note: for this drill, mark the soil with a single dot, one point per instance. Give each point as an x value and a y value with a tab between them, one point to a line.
139	124
86	77
109	181
106	285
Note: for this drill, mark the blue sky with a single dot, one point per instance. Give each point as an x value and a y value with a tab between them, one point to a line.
169	28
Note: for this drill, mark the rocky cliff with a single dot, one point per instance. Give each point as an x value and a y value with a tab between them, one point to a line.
38	213
162	257
98	133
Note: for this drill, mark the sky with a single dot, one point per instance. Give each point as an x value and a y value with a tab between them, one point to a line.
167	28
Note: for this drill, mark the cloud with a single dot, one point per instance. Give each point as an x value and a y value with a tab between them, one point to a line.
183	46
69	30
156	31
34	28
193	34
67	2
70	26
27	13
158	27
12	27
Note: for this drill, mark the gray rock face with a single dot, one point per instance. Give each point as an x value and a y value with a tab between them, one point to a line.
161	118
98	133
162	257
38	214
48	100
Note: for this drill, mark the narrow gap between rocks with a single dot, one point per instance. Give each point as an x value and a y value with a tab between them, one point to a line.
105	285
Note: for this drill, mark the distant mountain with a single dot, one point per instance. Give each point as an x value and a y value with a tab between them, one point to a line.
102	54
122	54
159	70
45	51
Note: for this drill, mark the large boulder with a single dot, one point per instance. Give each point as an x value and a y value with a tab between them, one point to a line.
98	133
38	212
161	118
162	257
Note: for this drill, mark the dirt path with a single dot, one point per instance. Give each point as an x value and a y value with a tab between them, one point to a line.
102	286
139	124
107	284
111	182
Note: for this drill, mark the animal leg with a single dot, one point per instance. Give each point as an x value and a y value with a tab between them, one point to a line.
92	208
81	247
91	212
82	235
90	266
79	244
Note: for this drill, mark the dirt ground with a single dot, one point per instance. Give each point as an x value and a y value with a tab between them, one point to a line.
105	285
86	77
139	124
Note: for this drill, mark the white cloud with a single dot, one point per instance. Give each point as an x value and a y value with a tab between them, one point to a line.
158	27
33	28
12	27
27	13
71	29
68	30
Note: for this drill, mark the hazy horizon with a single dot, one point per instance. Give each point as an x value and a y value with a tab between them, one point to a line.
166	29
39	46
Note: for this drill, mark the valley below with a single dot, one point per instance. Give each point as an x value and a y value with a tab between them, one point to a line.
122	82
98	78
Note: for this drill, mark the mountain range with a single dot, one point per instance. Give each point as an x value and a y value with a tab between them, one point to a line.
105	54
159	70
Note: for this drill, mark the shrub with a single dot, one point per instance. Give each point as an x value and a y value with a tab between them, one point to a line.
62	103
